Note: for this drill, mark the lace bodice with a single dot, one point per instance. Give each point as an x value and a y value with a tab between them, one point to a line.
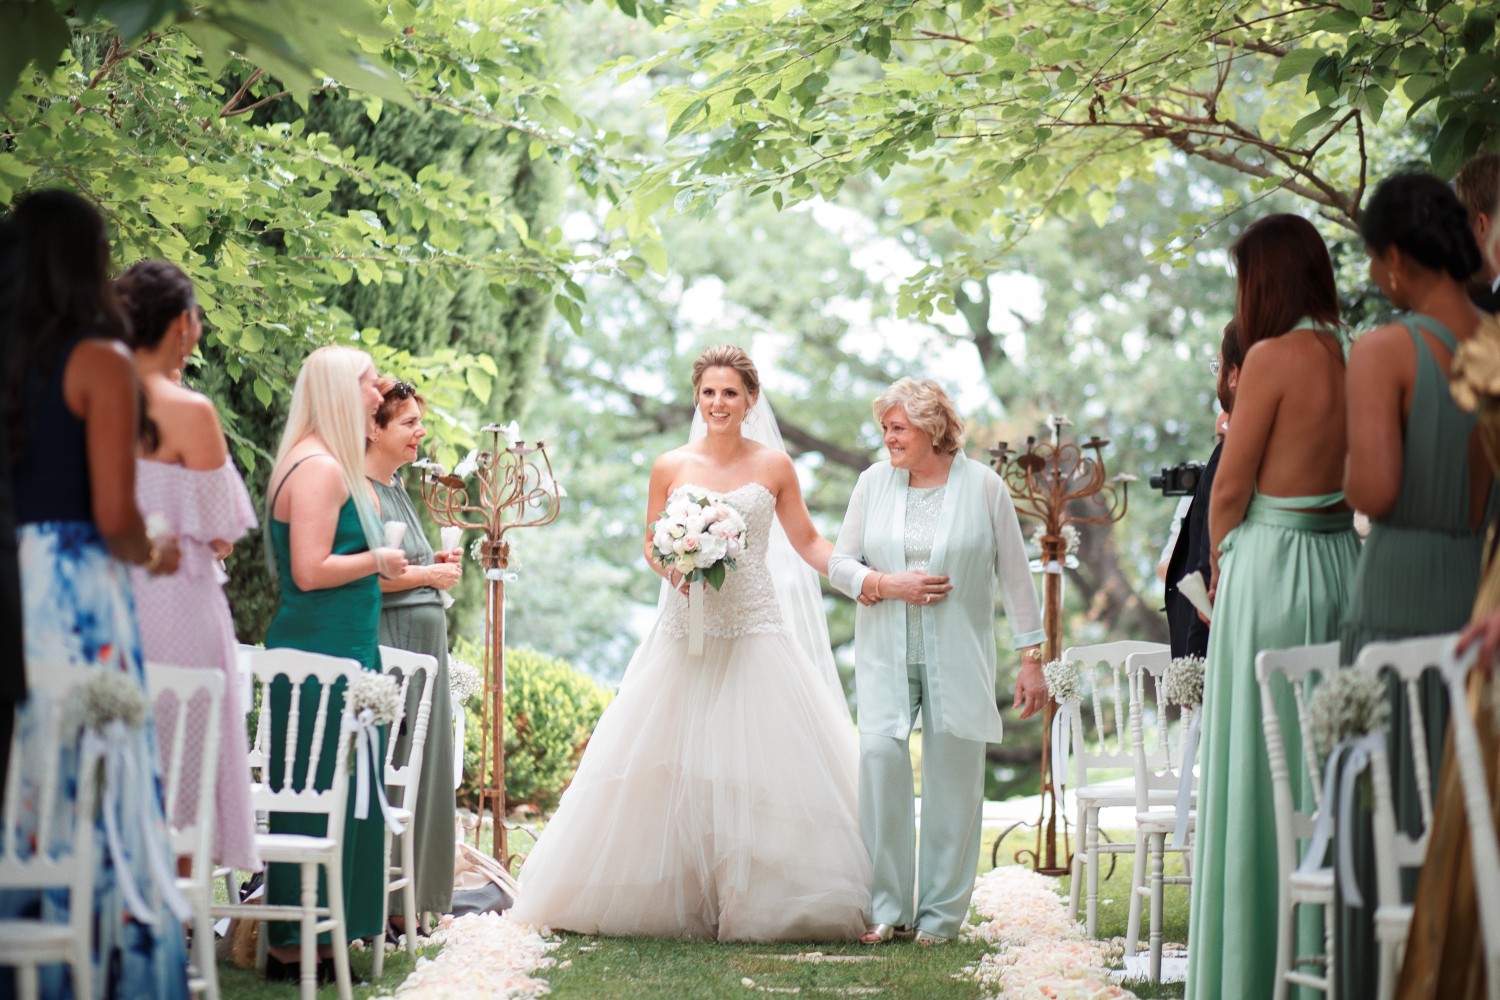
747	603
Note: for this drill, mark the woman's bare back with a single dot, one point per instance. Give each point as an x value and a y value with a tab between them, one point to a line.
1305	447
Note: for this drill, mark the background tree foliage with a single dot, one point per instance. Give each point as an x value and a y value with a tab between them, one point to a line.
990	117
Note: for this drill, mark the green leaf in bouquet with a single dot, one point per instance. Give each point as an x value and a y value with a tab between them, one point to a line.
714	575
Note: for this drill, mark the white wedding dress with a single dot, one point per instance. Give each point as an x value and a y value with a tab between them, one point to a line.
717	797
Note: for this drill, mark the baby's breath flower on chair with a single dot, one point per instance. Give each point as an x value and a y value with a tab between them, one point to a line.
111	696
1064	680
1183	683
377	692
1349	704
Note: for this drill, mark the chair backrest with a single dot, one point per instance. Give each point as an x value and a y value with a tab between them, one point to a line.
1283	674
405	770
1406	661
46	842
1160	768
1101	728
187	703
1484	846
309	674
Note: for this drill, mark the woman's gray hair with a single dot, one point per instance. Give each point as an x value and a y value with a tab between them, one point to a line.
928	408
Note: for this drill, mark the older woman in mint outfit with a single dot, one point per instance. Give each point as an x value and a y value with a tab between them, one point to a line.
925	538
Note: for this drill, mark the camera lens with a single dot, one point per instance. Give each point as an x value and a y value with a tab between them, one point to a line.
1188	478
1158	482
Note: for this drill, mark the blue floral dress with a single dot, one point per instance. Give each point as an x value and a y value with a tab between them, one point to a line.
78	611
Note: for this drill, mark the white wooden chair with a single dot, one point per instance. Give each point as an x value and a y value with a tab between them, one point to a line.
1294	888
1154	822
41	742
188	699
281	793
406	775
1468	755
1395	850
1103	743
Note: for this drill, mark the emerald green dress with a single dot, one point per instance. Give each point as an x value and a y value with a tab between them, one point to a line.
338	621
1417	575
1283	581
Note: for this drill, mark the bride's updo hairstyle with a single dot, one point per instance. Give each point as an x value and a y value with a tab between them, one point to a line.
728	356
928	408
1421	216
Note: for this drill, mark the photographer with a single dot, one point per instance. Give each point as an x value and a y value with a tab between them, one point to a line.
1190	553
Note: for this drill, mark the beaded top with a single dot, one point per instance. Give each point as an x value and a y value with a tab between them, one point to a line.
746	603
923	507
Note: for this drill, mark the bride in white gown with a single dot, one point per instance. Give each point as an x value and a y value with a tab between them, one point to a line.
716	799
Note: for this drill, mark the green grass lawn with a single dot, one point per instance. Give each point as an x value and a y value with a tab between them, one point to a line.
598	968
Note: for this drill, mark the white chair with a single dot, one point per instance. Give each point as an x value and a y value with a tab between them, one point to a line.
1484	846
281	793
1395	850
189	699
1153	822
406	775
1104	743
35	761
1294	888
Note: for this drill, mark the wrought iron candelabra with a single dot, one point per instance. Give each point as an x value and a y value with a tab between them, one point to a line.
1058	483
514	488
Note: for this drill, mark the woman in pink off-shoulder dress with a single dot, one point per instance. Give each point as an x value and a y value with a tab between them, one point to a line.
184	478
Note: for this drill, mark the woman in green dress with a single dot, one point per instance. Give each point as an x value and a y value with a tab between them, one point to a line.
1416	468
324	544
1283	550
412	618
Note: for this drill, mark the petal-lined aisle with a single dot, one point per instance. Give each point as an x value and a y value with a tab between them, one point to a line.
483	952
1039	951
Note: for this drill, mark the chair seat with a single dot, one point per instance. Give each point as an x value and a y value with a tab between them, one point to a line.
1162	820
34	939
1124	795
294	847
1393	919
1318	883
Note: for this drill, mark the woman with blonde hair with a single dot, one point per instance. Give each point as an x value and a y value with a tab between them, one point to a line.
324	543
925	538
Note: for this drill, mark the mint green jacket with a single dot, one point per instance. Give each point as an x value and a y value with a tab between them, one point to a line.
978	543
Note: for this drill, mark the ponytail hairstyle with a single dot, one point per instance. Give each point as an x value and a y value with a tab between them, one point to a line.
1422	217
327	401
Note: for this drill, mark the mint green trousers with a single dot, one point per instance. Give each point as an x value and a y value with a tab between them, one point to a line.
930	890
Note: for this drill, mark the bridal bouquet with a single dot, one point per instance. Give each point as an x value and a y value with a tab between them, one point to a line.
699	537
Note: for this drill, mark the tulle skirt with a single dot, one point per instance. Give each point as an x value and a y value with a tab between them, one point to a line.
716	800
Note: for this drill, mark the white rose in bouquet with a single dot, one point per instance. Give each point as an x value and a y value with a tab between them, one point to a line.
700	537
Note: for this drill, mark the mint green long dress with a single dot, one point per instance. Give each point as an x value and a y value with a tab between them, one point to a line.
1418	573
338	621
1283	581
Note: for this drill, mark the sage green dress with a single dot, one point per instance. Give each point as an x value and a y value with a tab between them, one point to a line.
1283	581
338	621
414	620
1417	575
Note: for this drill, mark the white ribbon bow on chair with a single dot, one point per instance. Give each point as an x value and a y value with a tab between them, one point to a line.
114	748
1062	732
366	758
1185	778
1340	782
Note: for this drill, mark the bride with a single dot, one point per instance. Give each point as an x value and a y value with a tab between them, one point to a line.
716	799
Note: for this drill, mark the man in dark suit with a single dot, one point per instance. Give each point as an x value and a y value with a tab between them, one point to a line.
1189	633
12	650
1477	185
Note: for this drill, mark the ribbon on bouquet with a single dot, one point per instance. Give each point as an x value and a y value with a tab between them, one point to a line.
116	748
695	618
366	759
1185	777
1062	733
1340	778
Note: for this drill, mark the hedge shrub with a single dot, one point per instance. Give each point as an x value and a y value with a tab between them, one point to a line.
550	712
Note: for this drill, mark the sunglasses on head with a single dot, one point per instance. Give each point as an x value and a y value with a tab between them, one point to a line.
401	390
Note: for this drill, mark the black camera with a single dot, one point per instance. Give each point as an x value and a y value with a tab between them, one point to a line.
1180	480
